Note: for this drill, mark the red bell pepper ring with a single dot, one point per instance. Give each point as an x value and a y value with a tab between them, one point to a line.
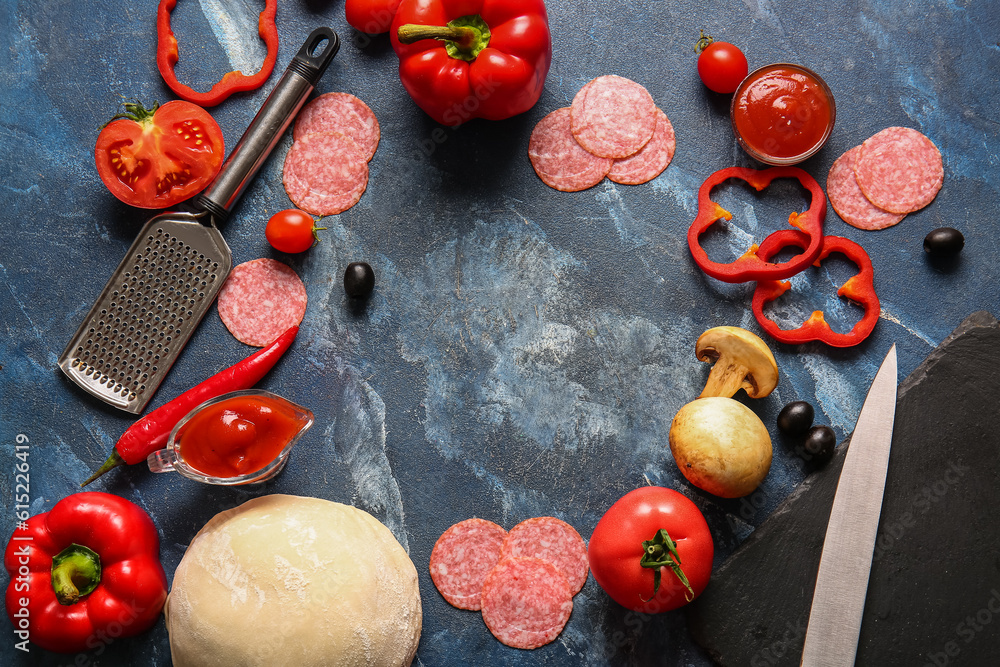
84	573
472	59
751	266
167	56
859	288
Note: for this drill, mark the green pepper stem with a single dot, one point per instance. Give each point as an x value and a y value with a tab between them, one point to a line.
410	33
76	571
113	461
464	38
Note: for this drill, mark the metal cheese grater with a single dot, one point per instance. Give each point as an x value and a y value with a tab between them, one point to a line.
178	262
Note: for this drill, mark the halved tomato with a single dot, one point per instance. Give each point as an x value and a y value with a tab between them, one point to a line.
155	158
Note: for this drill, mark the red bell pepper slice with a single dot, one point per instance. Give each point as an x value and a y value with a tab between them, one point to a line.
232	82
473	58
751	266
84	573
859	288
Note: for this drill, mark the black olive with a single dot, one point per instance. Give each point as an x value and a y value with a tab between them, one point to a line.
944	242
818	445
795	418
359	280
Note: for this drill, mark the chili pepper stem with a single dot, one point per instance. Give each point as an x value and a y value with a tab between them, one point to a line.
113	461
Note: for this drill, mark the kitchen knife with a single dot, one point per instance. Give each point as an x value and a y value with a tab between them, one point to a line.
845	563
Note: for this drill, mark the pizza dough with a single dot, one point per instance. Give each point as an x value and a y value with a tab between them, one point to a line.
287	580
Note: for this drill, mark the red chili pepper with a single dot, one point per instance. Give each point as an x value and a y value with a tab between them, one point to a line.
152	431
859	288
84	573
232	82
474	59
751	266
371	16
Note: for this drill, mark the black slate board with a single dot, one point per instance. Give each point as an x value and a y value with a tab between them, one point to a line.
934	591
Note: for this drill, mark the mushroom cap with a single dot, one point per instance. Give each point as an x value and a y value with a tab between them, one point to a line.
721	446
742	361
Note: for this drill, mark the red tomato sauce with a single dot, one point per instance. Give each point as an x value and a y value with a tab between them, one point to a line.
237	436
782	114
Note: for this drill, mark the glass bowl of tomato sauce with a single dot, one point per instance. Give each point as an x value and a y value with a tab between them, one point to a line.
782	114
241	437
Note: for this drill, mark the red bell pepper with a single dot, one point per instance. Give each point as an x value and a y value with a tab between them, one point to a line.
472	58
84	574
371	16
751	266
859	288
167	56
152	431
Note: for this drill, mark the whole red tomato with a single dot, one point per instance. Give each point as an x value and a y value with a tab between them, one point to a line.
722	67
617	548
155	158
291	230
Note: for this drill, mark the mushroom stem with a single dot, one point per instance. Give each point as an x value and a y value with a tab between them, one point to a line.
725	380
740	360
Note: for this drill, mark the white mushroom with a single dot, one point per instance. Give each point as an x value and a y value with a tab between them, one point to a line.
721	446
741	361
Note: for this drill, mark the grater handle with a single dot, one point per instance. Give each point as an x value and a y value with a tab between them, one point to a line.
270	123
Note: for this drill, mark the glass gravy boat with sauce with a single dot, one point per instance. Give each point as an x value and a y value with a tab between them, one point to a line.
242	437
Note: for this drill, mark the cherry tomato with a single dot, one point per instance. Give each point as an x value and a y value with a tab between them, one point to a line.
371	16
155	158
616	550
722	67
291	230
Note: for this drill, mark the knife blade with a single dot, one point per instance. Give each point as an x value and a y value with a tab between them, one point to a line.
845	563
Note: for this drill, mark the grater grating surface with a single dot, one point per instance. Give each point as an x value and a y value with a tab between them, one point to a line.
148	310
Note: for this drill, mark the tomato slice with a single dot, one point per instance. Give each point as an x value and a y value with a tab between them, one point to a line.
155	158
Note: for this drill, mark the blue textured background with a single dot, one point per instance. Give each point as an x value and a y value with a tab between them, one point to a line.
525	349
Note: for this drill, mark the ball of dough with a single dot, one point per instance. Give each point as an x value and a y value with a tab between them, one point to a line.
286	580
721	446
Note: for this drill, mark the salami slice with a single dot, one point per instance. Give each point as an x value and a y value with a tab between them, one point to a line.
613	117
899	170
260	300
526	602
559	160
651	159
461	559
340	112
325	173
555	542
848	200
